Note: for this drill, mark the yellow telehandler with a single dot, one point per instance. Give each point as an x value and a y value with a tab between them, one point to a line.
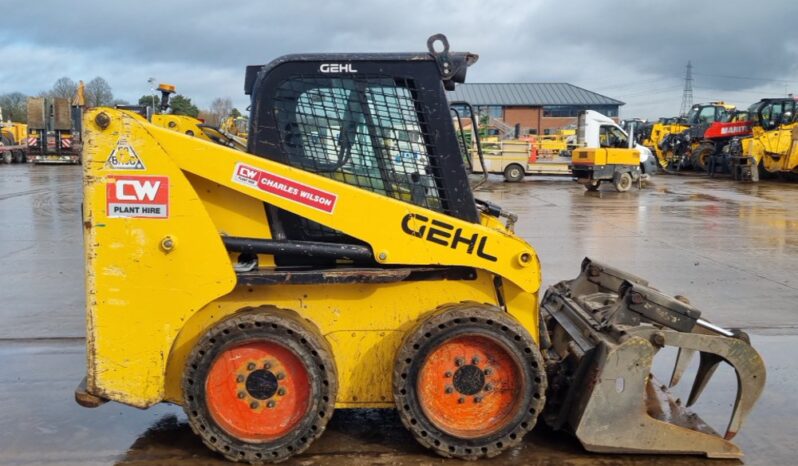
341	262
772	147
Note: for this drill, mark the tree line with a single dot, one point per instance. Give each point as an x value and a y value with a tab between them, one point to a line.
98	93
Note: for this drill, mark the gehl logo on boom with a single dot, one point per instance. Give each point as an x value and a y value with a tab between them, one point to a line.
444	234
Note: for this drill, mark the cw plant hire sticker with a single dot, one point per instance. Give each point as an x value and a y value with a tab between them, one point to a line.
123	157
137	196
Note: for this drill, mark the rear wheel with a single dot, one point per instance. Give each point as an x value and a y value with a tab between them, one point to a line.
469	382
623	183
701	156
514	173
260	386
8	156
593	185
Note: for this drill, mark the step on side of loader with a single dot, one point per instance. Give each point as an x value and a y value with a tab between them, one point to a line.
604	328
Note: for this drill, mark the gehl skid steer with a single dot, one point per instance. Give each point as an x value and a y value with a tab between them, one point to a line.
343	262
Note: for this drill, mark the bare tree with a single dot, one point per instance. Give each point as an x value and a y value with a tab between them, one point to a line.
64	87
220	109
14	105
98	93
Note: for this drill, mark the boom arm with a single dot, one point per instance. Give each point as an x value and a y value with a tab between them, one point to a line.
399	233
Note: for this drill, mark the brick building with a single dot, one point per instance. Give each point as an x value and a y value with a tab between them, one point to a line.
540	108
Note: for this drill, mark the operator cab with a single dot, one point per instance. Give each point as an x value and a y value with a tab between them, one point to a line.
376	121
772	113
707	113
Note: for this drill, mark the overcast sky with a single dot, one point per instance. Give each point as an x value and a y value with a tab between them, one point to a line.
634	51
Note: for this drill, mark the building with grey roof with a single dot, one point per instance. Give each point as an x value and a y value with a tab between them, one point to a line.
539	108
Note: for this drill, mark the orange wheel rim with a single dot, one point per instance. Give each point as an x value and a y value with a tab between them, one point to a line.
470	386
257	391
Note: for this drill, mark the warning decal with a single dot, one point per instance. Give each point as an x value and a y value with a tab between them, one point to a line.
138	196
123	157
284	187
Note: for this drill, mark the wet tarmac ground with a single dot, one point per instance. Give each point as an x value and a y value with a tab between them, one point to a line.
731	248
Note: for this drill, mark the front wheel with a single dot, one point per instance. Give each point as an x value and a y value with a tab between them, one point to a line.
260	386
8	157
469	382
623	183
701	156
514	173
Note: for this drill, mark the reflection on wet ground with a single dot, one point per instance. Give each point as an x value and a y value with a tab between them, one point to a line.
731	248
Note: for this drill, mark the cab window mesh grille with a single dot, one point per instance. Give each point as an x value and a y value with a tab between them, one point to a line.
364	131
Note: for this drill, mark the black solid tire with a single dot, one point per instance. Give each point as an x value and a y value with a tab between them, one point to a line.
514	173
472	319
593	185
258	324
623	183
700	159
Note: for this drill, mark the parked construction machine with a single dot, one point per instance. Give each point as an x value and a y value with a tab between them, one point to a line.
771	149
342	262
191	126
675	142
52	134
13	139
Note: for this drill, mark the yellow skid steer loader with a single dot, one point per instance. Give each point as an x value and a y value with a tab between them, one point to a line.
344	262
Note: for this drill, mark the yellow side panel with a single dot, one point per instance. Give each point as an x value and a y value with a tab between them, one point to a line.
144	276
364	324
589	156
524	307
234	214
622	156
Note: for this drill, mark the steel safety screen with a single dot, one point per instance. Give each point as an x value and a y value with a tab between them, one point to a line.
366	131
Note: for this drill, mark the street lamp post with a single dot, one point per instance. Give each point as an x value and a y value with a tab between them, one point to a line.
151	82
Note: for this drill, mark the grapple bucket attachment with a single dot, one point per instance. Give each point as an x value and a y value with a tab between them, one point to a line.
603	330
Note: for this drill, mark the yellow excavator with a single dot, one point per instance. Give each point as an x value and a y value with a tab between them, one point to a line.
341	262
772	147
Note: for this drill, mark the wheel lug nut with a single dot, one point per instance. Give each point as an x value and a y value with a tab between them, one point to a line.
271	404
447	374
280	376
477	399
251	366
449	389
459	362
488	371
267	365
461	400
281	391
475	360
254	405
241	395
240	378
488	387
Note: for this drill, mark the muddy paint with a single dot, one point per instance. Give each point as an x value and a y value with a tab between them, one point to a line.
731	248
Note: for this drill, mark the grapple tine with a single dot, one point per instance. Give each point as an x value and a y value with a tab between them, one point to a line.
683	358
605	327
706	368
747	364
